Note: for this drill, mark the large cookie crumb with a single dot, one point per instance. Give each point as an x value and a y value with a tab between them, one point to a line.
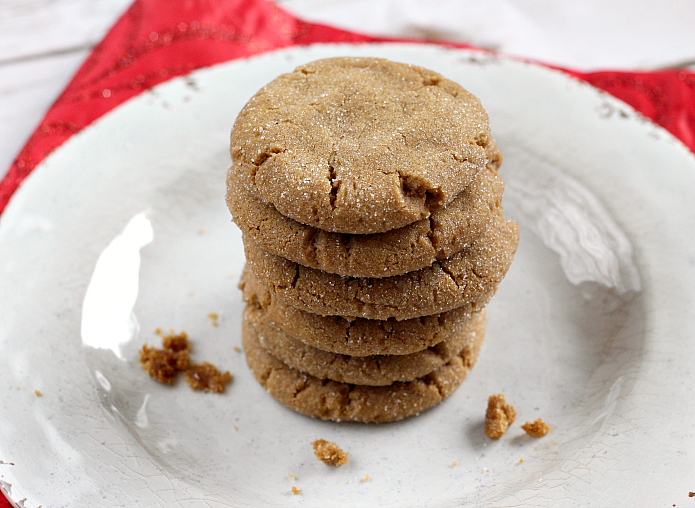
536	429
329	453
164	365
498	417
206	377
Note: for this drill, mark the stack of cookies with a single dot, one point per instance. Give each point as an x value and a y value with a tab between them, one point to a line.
368	196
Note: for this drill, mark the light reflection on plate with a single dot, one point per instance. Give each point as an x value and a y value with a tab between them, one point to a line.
593	334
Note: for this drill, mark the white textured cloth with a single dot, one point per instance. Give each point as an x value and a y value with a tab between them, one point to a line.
585	35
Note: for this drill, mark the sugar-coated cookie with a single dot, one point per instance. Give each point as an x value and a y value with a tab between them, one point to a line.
331	400
378	370
445	285
359	337
359	145
417	245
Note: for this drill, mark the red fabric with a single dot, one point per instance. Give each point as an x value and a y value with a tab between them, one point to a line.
156	40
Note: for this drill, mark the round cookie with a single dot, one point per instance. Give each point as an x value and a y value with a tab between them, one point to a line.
359	145
359	337
331	400
362	370
445	285
417	245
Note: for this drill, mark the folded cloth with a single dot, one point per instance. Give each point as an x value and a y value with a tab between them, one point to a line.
156	40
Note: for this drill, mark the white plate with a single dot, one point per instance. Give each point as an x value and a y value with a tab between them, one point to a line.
124	229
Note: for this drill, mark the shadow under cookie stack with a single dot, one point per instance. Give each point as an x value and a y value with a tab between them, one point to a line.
368	197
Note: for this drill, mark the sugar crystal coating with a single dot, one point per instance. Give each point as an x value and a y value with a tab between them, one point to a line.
359	145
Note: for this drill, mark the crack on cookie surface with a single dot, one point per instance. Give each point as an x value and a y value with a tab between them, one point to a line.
333	179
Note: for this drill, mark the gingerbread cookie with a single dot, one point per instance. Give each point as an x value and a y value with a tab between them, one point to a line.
331	400
359	337
362	370
445	285
359	145
417	245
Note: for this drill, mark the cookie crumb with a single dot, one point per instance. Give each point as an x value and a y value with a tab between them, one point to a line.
521	461
163	365
213	317
453	464
206	377
293	477
691	494
329	453
237	349
236	428
295	490
37	393
202	231
536	429
498	417
366	478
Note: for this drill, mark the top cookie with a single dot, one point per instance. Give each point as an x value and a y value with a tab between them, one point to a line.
359	145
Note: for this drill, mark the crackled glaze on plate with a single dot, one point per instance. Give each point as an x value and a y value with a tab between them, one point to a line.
124	229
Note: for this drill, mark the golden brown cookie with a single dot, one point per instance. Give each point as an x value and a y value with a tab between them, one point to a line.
359	337
359	145
378	370
445	285
417	245
331	400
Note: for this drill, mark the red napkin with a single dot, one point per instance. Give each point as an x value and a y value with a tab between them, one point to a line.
156	40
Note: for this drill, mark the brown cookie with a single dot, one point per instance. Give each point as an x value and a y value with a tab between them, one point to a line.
445	285
359	145
362	370
417	245
359	337
331	400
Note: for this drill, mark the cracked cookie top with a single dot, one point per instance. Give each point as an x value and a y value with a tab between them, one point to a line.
359	145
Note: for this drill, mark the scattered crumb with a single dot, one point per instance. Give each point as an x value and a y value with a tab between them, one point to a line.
203	231
236	428
295	490
484	470
213	317
293	477
237	349
366	478
37	393
191	294
691	494
536	429
329	453
163	365
453	464
498	417
521	461
206	377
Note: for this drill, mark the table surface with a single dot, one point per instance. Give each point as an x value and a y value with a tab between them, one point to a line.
43	42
